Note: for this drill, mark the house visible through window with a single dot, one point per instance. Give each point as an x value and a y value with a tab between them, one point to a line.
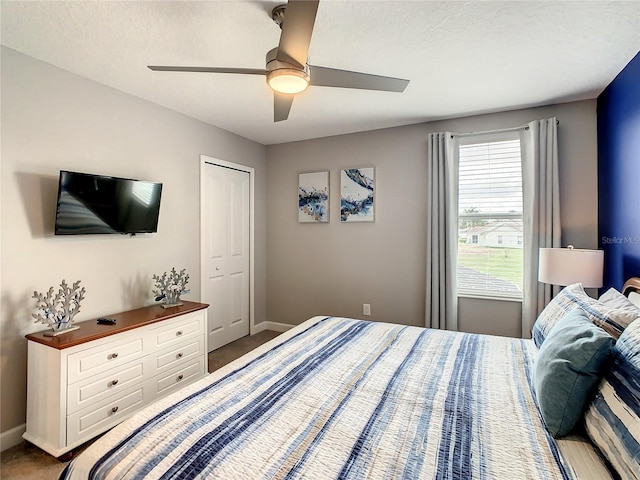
490	261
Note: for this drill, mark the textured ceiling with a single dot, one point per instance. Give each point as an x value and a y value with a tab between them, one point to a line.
462	58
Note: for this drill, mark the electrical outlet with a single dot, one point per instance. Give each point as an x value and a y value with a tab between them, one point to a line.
366	309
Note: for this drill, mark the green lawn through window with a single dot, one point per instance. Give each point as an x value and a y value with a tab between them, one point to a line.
503	263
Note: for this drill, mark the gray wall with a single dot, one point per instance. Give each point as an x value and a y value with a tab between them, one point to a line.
334	268
53	120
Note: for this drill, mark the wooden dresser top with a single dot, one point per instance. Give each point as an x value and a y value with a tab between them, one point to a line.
90	330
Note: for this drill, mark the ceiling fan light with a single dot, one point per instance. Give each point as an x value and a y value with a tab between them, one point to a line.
288	80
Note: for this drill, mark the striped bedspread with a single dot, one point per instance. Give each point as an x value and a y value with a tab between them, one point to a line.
343	398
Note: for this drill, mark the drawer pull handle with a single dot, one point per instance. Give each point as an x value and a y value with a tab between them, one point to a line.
113	355
114	382
178	333
114	409
179	355
180	377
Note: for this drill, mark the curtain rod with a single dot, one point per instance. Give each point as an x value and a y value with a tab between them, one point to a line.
499	130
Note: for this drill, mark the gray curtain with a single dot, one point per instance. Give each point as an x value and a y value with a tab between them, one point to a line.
541	215
442	232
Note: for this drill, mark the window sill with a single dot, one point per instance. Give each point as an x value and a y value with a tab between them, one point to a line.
481	296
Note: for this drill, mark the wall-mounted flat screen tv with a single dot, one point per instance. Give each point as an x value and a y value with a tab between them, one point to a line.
95	204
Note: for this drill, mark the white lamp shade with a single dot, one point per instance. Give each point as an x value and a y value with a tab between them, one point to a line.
565	266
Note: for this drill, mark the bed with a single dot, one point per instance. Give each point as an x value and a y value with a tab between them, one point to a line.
344	398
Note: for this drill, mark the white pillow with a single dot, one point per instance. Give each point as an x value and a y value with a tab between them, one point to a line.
613	298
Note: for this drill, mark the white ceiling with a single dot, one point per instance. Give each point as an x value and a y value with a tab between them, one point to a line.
462	58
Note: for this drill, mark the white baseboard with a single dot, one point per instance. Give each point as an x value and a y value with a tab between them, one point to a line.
12	437
275	326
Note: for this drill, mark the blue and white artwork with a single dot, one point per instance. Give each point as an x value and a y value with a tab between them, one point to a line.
313	197
357	187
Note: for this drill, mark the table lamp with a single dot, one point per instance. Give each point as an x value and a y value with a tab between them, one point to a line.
565	266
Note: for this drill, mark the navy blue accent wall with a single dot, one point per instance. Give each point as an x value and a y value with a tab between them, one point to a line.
619	176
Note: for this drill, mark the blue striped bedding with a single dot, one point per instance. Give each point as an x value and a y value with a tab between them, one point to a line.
344	398
612	420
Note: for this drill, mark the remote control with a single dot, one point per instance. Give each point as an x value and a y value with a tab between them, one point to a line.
107	321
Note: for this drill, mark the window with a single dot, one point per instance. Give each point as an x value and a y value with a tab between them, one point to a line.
490	263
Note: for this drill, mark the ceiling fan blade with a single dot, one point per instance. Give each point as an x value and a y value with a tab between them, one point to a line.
281	106
297	28
332	77
246	71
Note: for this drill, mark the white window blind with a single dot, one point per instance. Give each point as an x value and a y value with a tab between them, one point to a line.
490	220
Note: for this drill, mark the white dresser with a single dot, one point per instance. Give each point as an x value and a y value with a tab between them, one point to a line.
84	382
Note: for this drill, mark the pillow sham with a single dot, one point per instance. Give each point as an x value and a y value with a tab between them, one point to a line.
613	298
612	320
567	370
612	419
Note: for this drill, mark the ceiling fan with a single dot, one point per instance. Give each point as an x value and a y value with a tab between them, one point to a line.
287	70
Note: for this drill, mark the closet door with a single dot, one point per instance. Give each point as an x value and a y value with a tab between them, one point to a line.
226	253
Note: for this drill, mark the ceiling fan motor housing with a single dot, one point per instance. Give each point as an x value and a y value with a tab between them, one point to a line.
292	78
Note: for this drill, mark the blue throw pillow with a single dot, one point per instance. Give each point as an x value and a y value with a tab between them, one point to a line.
567	370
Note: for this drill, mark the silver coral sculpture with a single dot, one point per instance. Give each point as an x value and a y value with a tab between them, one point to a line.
58	310
170	286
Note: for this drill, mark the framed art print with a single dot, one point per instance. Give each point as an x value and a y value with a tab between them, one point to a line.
357	199
313	197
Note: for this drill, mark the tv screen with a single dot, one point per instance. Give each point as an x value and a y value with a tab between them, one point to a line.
93	204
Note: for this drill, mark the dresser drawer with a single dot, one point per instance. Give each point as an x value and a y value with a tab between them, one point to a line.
178	354
179	377
91	390
103	357
91	421
175	331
